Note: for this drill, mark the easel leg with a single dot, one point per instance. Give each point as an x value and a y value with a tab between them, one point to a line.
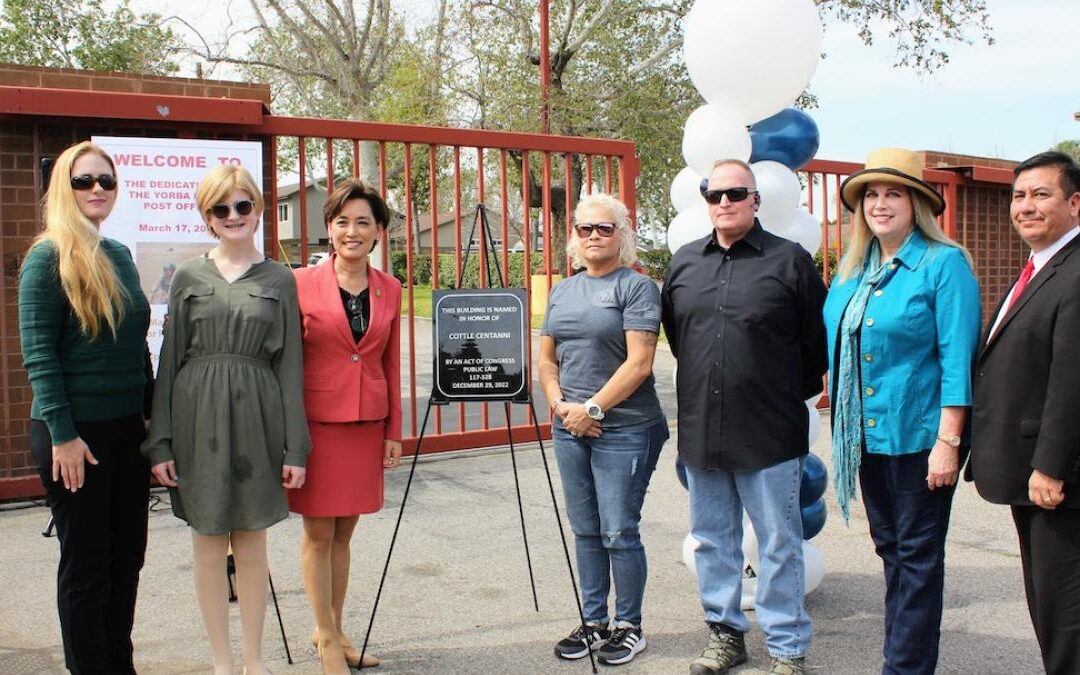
521	510
397	526
562	533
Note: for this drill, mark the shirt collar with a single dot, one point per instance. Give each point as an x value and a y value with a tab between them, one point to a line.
911	252
755	238
1042	257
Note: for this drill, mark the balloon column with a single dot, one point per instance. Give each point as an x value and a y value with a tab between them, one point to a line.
815	479
750	60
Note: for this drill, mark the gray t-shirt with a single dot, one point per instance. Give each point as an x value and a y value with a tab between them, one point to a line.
587	317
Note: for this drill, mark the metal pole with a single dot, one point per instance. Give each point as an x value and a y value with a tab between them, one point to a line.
545	67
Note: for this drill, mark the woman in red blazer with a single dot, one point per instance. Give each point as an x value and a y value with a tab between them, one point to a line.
352	395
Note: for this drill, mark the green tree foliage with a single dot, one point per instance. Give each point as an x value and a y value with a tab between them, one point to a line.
86	35
1071	148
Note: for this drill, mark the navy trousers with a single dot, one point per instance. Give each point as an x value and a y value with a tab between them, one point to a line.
908	523
102	533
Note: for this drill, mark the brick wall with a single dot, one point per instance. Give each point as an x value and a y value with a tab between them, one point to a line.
985	230
23	141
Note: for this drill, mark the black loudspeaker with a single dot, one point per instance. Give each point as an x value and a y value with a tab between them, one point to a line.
46	171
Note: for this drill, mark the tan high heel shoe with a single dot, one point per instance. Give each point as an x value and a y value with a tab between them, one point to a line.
332	656
352	654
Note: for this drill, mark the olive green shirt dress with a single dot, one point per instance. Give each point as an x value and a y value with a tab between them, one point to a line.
228	401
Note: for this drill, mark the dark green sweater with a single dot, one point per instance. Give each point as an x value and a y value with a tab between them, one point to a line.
73	378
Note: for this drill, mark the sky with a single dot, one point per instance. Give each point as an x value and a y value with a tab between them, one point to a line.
1009	100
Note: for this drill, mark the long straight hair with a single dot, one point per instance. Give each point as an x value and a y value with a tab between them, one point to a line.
859	242
87	275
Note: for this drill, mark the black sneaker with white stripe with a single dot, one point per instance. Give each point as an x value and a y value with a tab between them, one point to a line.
581	640
626	642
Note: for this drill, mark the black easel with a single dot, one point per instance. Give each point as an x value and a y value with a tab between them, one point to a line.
490	256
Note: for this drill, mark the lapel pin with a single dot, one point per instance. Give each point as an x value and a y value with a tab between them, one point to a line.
378	292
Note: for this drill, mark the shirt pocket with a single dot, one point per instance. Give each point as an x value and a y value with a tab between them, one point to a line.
198	303
261	306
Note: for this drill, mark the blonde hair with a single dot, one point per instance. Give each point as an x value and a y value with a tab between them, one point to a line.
859	242
216	186
87	275
620	216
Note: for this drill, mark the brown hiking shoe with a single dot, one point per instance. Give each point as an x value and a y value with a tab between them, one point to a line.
725	651
788	666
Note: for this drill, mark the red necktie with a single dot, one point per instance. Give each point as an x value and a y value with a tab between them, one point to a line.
1022	282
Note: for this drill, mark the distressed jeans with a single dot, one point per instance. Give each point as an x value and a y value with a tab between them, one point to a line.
771	499
604	482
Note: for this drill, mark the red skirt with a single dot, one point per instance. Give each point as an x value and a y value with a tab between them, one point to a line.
344	470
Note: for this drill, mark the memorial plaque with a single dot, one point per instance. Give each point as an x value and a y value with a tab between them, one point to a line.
479	338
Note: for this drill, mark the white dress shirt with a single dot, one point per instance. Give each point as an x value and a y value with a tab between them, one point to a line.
1039	261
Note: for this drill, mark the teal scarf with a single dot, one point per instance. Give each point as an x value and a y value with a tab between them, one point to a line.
847	409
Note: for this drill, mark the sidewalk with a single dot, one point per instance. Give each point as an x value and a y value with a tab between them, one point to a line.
457	597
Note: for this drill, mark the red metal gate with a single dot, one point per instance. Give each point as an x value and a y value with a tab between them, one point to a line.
527	181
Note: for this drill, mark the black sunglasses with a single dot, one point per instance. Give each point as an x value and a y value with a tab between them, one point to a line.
737	194
356	314
107	181
243	207
585	230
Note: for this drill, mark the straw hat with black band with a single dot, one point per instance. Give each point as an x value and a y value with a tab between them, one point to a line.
890	165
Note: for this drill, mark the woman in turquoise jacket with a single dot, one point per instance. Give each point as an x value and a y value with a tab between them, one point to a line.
903	323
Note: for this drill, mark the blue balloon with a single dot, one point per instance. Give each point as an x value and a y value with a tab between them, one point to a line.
813	519
815	478
680	472
790	137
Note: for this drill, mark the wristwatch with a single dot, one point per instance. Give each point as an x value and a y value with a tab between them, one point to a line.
953	441
593	410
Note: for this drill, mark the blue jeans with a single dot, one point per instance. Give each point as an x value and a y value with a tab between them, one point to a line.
908	523
771	499
604	481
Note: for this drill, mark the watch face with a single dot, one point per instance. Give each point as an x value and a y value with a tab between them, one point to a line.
593	411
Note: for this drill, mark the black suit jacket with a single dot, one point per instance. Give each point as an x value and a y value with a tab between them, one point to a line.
1026	412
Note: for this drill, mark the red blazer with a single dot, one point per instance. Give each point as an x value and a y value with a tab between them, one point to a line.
346	381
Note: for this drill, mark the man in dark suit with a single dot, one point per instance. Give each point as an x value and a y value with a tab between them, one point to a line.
1026	413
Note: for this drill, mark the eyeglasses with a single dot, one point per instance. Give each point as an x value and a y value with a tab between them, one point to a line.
585	230
736	194
355	308
243	208
107	181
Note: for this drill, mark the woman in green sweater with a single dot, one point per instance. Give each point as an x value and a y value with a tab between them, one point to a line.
82	322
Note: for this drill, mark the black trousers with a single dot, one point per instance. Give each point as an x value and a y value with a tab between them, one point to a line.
908	523
1050	552
102	533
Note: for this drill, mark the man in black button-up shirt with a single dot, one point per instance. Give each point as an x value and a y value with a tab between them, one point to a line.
742	312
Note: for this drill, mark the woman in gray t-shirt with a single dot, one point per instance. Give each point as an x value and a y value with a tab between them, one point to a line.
596	356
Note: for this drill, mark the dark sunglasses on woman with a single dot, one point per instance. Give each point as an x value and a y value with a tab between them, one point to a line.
243	207
736	194
107	181
585	230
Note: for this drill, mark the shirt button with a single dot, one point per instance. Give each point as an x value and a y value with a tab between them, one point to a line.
869	322
718	336
893	266
355	358
869	391
720	308
727	257
871	423
716	363
723	281
877	293
716	391
868	357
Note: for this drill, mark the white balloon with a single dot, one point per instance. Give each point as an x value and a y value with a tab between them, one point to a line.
712	134
754	57
686	190
689	225
815	424
689	545
805	229
749	543
779	189
749	591
814	564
